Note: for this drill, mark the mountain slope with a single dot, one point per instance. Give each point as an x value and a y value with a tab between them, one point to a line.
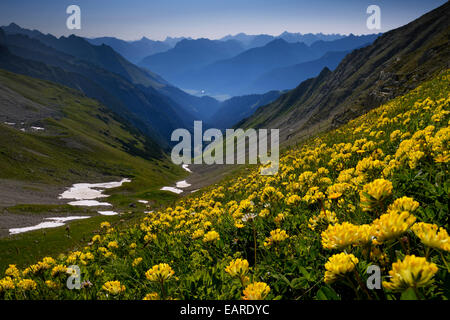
133	51
80	139
102	56
394	64
290	77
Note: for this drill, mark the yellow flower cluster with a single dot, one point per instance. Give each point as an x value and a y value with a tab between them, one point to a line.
393	224
237	268
159	273
211	236
374	193
412	272
256	291
339	236
338	265
276	236
113	287
432	236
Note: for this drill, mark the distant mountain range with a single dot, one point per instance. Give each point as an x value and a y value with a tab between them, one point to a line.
137	50
190	55
186	65
253	41
134	51
395	63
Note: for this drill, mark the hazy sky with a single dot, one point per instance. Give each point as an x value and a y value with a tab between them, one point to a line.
156	19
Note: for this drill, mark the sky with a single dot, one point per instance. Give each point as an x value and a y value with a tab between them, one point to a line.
157	19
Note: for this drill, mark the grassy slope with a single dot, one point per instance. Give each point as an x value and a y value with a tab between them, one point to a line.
293	267
83	143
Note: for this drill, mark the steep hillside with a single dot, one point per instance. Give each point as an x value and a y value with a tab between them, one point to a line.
290	77
79	139
102	55
395	63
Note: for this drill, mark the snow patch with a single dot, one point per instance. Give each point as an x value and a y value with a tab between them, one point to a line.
183	184
108	213
89	203
186	167
56	222
172	189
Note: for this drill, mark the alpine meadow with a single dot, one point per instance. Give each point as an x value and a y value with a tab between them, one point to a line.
94	207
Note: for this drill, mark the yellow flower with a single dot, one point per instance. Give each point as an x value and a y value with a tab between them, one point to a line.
392	224
432	236
404	204
152	296
374	193
51	284
159	273
237	268
113	245
12	271
113	287
198	233
105	225
26	284
338	265
6	284
337	190
411	272
59	269
292	200
211	236
136	262
277	235
341	235
256	291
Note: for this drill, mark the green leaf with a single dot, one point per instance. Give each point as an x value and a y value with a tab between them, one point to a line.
327	293
408	294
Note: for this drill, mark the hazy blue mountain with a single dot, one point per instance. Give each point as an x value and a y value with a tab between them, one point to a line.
236	75
253	41
233	110
349	42
290	77
173	41
232	75
309	38
189	55
133	51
